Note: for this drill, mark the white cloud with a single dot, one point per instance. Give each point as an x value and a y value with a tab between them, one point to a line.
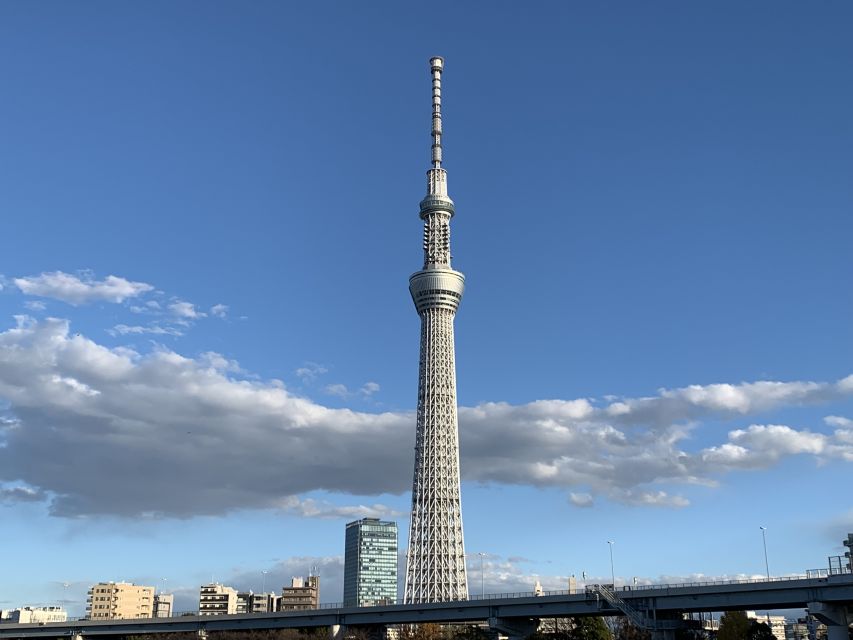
153	329
310	508
151	307
838	421
339	390
311	371
761	446
35	305
186	310
581	499
697	401
369	388
639	498
75	290
219	310
187	423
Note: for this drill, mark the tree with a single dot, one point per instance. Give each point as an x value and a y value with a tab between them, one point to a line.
427	631
760	631
590	628
734	625
469	632
625	630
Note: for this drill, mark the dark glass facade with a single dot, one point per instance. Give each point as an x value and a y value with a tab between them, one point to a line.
370	563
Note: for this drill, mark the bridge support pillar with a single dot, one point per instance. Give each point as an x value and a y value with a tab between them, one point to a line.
514	628
834	616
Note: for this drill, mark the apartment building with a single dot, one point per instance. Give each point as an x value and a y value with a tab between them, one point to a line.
302	594
119	600
164	604
249	602
33	615
215	599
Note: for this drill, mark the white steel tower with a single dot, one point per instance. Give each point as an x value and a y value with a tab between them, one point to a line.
435	568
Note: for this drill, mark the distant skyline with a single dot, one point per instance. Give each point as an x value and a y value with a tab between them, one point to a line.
208	353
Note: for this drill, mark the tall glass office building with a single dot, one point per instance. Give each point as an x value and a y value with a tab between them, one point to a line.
370	563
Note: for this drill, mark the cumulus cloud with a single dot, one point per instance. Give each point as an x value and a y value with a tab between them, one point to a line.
761	446
342	391
219	310
186	310
369	388
339	390
310	508
35	305
80	290
208	439
311	371
581	499
697	401
150	307
640	498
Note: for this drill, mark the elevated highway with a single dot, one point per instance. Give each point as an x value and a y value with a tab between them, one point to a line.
658	607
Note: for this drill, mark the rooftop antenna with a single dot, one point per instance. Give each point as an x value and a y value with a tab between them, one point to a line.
437	65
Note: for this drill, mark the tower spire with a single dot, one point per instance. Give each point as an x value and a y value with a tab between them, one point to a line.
435	563
436	65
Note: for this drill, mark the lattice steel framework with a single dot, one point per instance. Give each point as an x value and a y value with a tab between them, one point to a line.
435	568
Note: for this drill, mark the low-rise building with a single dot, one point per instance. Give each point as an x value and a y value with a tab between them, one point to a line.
33	615
796	630
215	599
164	604
302	594
119	601
776	623
249	602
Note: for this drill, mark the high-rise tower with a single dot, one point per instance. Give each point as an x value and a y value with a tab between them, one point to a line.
370	563
435	568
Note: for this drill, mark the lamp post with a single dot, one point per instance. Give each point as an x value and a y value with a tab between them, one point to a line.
65	586
264	581
612	573
764	540
482	575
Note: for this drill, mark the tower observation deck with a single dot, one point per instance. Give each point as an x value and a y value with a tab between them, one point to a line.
435	567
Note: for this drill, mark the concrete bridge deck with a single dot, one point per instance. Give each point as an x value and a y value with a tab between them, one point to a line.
831	594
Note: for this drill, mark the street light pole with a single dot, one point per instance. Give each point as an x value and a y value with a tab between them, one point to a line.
612	573
764	540
264	581
482	575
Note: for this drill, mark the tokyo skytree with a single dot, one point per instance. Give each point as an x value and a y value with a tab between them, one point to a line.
435	567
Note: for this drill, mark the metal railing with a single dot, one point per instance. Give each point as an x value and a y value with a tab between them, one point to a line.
582	592
639	619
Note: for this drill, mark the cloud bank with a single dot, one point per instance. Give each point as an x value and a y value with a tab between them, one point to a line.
110	431
76	290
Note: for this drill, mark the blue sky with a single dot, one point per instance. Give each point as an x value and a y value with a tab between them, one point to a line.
208	354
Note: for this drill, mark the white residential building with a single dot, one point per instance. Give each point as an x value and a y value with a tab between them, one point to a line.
33	615
776	623
164	604
215	600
